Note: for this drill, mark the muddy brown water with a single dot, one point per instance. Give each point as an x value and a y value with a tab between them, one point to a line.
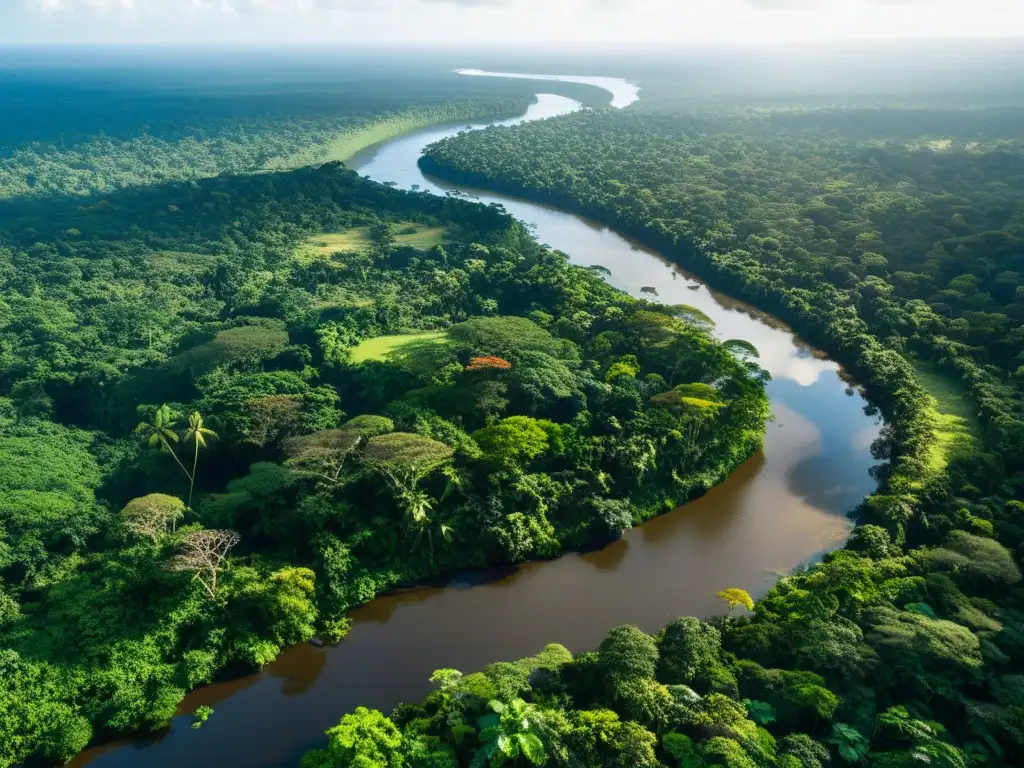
784	507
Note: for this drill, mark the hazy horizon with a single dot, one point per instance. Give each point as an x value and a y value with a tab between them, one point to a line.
455	22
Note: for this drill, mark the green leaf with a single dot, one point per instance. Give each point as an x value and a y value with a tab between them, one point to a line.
532	747
760	712
505	745
449	489
488	721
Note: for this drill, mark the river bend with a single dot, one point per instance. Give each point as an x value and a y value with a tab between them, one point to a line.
782	508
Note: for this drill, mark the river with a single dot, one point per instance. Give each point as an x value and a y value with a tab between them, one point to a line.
784	507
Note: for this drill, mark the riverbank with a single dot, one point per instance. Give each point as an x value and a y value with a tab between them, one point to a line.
780	509
875	651
343	145
904	397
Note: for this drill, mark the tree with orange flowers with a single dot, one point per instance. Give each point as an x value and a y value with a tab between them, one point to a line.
488	363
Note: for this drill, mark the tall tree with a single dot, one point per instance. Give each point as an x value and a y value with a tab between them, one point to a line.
196	434
323	454
160	433
404	459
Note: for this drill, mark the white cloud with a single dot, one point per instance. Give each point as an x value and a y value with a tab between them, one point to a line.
469	21
53	6
256	6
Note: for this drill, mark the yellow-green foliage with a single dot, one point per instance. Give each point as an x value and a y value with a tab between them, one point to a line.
167	263
735	596
677	401
553	657
514	441
422	238
339	297
698	391
347	143
358	239
382	347
954	414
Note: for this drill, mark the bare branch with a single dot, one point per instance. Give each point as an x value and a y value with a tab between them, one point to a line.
202	553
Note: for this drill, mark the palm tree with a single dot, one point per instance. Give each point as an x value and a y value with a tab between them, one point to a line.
446	535
160	434
416	504
197	434
446	532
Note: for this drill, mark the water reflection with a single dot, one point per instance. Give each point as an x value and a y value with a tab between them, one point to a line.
298	671
383	610
609	558
623	92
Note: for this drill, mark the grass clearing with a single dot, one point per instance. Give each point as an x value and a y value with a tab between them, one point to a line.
383	347
423	238
955	415
328	243
358	239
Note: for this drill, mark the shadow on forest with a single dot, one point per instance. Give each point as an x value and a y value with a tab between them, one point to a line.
214	212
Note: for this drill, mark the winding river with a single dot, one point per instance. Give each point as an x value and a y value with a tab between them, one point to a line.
783	507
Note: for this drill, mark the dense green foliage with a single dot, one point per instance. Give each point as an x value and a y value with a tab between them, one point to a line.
98	130
196	472
891	250
876	249
104	164
216	439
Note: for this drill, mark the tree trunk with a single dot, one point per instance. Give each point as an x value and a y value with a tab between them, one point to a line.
192	477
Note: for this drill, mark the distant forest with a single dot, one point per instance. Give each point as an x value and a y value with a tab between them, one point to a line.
115	128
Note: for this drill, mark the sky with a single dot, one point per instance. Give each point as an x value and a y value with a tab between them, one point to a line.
360	22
